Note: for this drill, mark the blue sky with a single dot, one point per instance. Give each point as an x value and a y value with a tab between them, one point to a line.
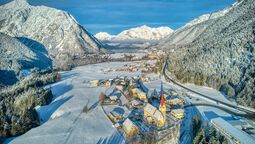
113	16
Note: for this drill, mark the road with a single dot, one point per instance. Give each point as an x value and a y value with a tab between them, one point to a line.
250	113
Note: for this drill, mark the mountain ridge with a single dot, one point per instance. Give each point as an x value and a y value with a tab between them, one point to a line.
137	33
15	57
218	53
61	34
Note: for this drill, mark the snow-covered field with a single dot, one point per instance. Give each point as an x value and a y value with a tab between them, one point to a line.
63	121
210	92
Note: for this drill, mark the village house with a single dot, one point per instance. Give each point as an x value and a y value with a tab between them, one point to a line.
107	83
117	125
145	79
173	93
120	87
136	103
104	82
94	82
174	101
177	113
139	94
113	98
130	128
115	116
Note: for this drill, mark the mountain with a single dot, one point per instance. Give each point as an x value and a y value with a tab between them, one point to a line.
217	50
193	29
138	33
104	36
141	37
57	30
145	33
17	58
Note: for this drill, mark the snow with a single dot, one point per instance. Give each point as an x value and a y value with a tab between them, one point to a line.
214	15
26	72
143	33
209	91
239	135
104	36
64	121
8	140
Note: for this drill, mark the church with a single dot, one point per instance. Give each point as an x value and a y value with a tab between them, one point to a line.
155	115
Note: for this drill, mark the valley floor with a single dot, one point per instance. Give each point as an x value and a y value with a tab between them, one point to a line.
63	121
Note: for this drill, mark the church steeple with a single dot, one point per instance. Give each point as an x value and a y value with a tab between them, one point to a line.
162	106
162	100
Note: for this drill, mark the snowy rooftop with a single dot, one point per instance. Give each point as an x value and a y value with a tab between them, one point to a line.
150	109
239	135
178	110
128	124
153	111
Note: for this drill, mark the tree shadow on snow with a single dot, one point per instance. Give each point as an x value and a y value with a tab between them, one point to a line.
67	75
119	110
60	89
8	77
93	106
144	88
186	125
211	115
115	138
45	112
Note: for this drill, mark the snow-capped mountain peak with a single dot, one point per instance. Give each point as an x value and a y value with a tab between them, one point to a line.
138	33
145	32
104	36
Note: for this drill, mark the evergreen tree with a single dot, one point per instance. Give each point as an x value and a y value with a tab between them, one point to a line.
196	125
225	141
200	138
212	135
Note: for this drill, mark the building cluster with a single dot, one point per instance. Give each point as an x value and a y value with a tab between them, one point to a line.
155	54
122	81
145	67
143	113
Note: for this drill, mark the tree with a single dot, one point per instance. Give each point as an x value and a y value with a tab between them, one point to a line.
221	138
196	125
200	137
225	141
102	97
212	135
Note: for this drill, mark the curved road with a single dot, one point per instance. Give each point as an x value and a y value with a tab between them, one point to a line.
222	108
250	113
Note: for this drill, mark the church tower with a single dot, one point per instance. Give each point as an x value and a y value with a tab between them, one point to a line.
162	106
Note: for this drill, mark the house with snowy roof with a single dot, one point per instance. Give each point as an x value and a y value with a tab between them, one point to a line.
130	128
139	94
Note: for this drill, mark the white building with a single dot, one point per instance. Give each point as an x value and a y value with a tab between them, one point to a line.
232	133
